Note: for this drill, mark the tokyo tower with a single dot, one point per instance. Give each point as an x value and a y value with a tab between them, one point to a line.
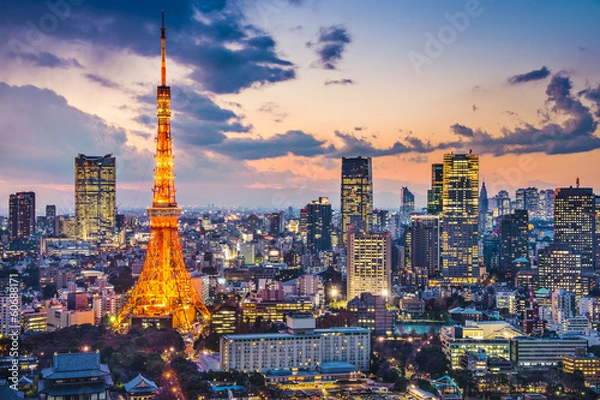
164	294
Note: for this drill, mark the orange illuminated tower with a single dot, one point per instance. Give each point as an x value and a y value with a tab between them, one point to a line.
164	293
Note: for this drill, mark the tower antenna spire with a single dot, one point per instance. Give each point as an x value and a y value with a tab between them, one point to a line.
163	52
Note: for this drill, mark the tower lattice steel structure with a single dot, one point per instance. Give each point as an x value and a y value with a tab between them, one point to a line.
164	289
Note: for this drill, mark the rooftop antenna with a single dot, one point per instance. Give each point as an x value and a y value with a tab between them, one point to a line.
577	182
163	52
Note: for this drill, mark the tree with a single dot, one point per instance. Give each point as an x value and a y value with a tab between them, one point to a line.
49	291
433	361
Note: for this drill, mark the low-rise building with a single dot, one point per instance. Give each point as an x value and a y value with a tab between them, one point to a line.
58	319
303	347
273	310
530	352
371	312
586	363
475	362
492	337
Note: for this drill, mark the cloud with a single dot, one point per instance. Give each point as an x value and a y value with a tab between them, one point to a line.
344	81
292	142
212	38
534	75
102	81
46	60
575	134
355	146
273	109
330	45
198	120
592	95
45	145
462	130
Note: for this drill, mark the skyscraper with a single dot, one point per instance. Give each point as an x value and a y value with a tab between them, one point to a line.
483	207
528	199
276	223
560	268
407	205
95	197
514	236
503	203
597	207
425	243
21	215
356	195
434	195
164	294
460	215
51	221
369	264
574	222
318	225
547	204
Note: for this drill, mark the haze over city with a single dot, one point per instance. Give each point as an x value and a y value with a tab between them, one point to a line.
269	95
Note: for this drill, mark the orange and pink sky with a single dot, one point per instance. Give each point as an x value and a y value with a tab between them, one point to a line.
268	95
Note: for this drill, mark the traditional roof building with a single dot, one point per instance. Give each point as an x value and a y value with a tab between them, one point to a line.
141	388
75	376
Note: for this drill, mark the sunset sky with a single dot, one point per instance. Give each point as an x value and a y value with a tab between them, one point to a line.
268	95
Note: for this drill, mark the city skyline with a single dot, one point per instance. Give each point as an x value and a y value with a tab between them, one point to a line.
272	94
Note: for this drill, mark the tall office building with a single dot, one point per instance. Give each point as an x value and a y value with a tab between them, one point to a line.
503	203
276	223
95	197
50	210
369	264
560	268
528	199
51	221
21	215
318	225
597	208
434	195
356	195
483	207
547	204
407	205
575	222
425	244
514	236
460	215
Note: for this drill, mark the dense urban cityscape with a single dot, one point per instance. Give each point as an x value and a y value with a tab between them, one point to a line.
470	295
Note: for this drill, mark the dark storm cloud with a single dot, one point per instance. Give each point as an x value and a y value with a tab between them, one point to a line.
330	45
344	81
534	75
352	145
281	144
225	53
102	81
462	130
46	59
575	135
45	144
199	121
594	96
